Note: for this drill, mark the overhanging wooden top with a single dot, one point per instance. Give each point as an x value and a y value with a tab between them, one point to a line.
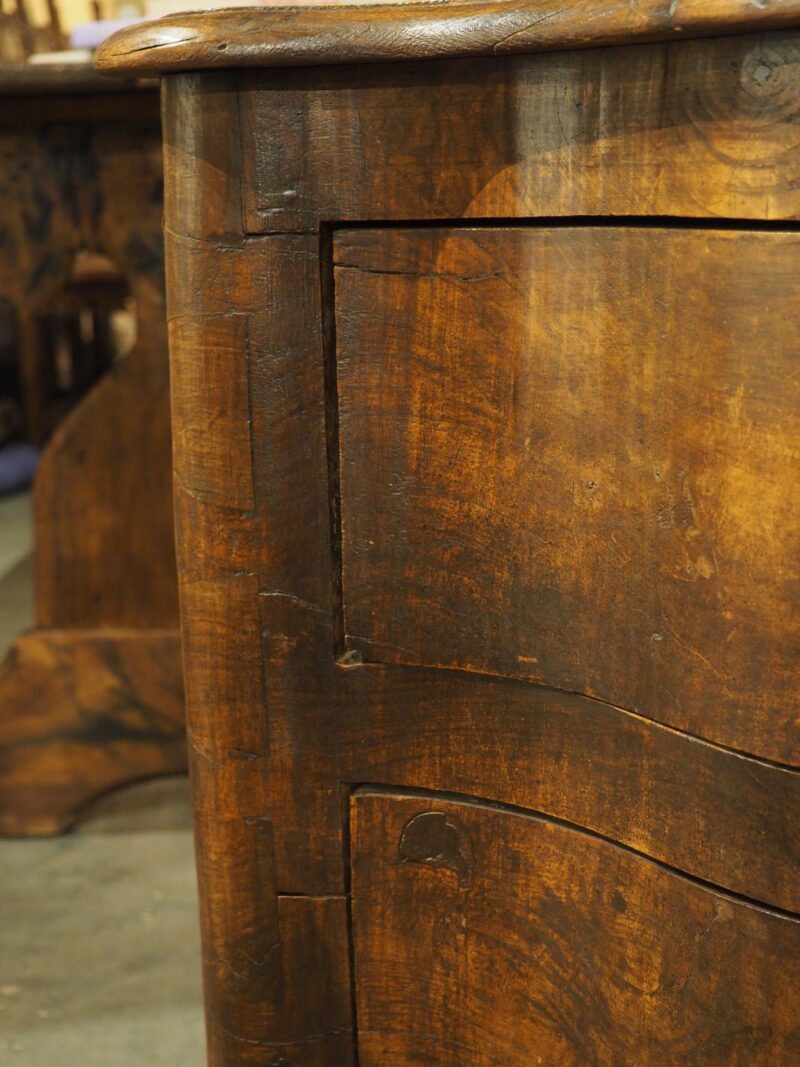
320	34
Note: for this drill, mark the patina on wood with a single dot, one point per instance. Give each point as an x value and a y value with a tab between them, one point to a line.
312	34
546	475
424	305
537	945
81	171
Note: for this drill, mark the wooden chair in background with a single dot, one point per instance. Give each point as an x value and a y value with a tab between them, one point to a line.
19	37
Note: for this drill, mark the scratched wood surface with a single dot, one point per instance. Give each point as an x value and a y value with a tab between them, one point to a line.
694	130
510	917
81	171
563	492
288	717
288	34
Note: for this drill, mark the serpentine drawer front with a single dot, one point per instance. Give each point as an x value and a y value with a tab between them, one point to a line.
563	460
486	401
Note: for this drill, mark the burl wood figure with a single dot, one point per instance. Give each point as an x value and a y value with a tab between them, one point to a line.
92	697
486	395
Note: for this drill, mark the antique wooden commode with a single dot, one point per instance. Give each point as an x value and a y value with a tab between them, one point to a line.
486	368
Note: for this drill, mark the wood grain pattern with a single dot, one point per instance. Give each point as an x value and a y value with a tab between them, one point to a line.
243	968
511	917
562	491
84	712
321	34
698	129
264	169
313	1025
227	410
570	757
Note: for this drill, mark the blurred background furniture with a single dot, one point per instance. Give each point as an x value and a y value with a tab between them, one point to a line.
64	347
20	37
92	697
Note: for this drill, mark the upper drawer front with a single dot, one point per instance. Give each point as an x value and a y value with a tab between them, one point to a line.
570	455
692	128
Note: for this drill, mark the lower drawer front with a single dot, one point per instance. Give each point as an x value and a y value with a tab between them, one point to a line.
485	937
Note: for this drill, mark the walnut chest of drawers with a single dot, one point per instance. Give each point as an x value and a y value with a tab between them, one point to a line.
486	401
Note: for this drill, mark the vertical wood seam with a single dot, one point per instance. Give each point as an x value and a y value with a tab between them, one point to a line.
332	433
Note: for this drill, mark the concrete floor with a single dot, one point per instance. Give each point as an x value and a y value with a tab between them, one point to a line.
99	952
15	530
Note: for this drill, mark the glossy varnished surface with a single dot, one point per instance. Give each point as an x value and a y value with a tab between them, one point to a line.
322	34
